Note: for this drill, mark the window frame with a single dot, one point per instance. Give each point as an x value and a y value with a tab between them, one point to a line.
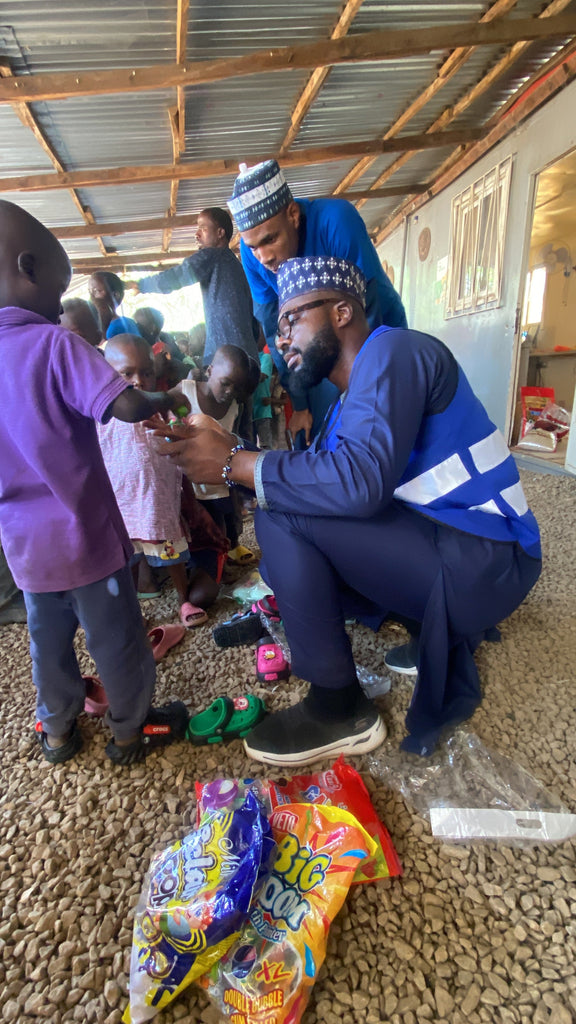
478	220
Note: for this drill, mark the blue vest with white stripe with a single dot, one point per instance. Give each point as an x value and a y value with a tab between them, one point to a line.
461	473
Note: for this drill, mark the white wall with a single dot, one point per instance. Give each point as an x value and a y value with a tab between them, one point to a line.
483	342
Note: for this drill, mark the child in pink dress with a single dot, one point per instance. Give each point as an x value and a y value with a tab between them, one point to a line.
148	488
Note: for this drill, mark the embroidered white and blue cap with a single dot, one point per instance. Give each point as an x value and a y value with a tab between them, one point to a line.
260	192
305	274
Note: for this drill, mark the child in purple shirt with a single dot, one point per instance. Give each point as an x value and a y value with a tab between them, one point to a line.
61	530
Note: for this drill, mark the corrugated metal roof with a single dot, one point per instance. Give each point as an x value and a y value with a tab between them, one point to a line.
70	36
226	28
233	119
360	101
113	204
107	131
52	208
249	116
20	153
398	14
508	84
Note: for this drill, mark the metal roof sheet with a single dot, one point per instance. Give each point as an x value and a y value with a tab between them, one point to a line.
52	208
233	119
248	116
225	28
113	204
70	36
107	131
20	152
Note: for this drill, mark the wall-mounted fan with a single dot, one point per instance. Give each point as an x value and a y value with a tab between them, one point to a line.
556	256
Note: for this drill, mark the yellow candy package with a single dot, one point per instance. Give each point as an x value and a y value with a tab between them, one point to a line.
194	902
267	974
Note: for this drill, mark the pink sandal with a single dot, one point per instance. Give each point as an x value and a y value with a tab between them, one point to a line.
162	638
96	702
191	616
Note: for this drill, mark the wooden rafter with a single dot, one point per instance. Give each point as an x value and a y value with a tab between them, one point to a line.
122	261
448	69
487	80
24	113
369	46
188	220
318	76
531	98
147	173
178	116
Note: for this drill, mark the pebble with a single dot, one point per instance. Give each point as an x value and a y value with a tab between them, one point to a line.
469	934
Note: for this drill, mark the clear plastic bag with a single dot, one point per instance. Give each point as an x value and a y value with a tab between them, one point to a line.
247	591
374	685
470	792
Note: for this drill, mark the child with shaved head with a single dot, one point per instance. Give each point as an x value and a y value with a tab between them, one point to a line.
148	488
62	532
229	382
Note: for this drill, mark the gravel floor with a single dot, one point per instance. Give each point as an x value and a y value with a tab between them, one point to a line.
480	933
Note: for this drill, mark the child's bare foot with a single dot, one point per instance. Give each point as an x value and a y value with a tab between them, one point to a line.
202	589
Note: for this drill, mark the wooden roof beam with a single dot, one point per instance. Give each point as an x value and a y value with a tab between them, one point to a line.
497	129
318	76
487	80
448	69
368	46
178	116
122	262
24	113
144	174
172	223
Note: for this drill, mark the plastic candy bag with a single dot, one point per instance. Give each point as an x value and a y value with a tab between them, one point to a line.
267	974
194	901
533	402
340	786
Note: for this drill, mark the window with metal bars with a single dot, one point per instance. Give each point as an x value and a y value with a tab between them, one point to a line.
477	236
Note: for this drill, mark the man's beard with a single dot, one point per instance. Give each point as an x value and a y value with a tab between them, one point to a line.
318	361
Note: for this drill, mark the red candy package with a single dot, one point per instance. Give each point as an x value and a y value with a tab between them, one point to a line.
534	401
340	786
343	787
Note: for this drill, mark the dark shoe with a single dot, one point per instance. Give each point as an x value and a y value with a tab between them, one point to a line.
296	737
244	628
68	750
403	659
162	726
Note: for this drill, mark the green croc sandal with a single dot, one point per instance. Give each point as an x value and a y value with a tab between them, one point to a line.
248	711
226	719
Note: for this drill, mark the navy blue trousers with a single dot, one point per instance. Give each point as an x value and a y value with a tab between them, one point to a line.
110	615
452	586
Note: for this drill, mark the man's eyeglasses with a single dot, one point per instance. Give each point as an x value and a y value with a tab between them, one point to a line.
287	320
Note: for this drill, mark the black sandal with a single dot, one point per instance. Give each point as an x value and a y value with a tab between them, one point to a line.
162	726
68	750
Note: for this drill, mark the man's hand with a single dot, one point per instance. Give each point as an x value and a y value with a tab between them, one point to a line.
133	286
301	420
200	446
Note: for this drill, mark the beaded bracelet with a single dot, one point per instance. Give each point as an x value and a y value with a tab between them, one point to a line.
227	469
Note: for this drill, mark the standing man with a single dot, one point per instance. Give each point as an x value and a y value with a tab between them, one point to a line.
408	504
275	227
225	291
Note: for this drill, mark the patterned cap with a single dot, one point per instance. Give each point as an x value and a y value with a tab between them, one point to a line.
306	274
260	192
